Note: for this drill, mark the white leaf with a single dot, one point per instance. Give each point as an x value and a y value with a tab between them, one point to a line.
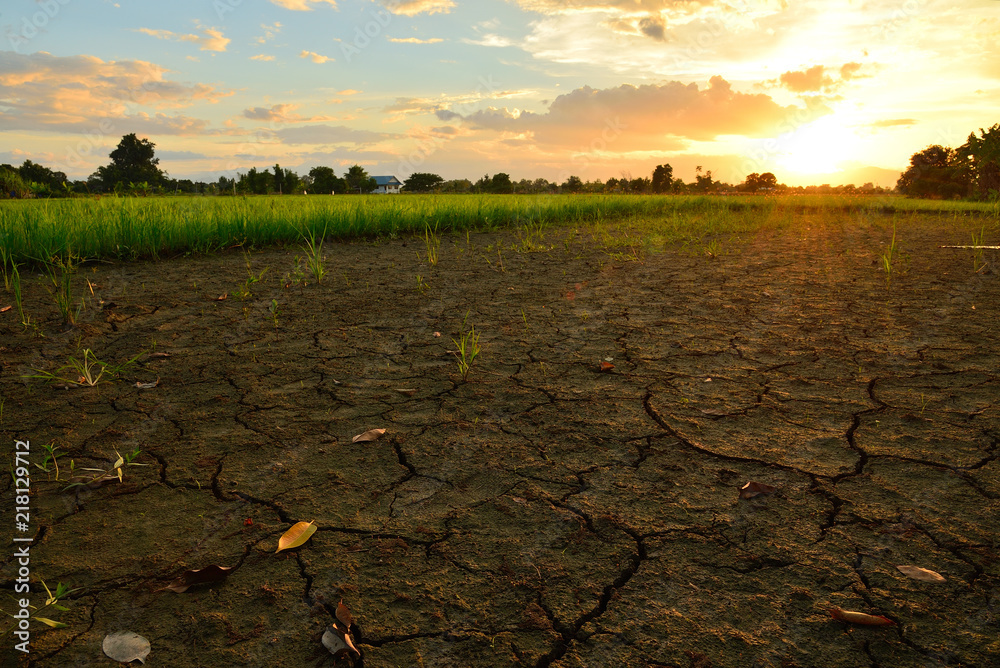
126	647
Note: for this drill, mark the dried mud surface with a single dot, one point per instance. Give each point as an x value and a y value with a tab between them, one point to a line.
545	512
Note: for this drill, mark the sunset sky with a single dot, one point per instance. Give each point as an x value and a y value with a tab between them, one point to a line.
814	91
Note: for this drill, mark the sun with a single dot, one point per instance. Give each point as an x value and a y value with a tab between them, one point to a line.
818	148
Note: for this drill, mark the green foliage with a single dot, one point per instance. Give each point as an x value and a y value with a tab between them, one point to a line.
937	172
663	177
325	181
468	350
11	183
133	161
982	155
422	182
358	181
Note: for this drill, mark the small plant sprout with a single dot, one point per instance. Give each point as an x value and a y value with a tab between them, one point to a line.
85	372
51	461
978	258
116	470
51	601
421	284
468	351
275	312
890	254
432	243
315	260
15	283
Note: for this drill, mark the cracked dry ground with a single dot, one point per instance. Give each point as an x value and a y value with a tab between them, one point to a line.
543	513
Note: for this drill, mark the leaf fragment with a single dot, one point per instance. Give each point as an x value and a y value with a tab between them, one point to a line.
157	356
297	535
860	618
147	386
207	575
918	573
222	297
5	309
126	647
370	435
344	614
752	489
408	391
338	641
50	622
607	366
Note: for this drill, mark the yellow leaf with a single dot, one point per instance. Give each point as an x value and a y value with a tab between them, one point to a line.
296	536
918	573
53	624
369	435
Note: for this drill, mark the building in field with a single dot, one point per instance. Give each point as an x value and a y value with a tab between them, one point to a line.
387	185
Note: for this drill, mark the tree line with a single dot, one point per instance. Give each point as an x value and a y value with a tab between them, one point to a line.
970	171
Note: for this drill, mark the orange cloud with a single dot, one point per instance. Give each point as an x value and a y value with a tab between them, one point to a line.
302	5
642	118
209	40
414	7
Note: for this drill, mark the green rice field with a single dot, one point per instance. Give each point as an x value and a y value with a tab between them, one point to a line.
35	232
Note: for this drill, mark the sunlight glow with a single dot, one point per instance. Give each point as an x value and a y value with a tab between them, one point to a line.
819	147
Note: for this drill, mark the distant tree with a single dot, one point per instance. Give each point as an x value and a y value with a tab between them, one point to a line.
982	158
703	183
573	185
422	182
226	186
34	173
755	182
358	181
325	181
662	178
639	185
501	183
279	179
457	186
132	162
937	172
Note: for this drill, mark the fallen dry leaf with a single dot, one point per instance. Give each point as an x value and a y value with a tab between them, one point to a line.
437	335
126	647
296	536
157	356
222	297
752	489
338	641
370	435
408	391
860	618
607	366
147	386
207	575
918	573
5	309
344	614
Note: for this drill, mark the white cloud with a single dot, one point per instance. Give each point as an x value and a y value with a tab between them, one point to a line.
315	57
414	40
263	57
210	39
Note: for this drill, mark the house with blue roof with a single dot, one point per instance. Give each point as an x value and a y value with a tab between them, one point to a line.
387	185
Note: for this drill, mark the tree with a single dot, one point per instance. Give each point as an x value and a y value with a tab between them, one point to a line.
501	183
279	179
11	183
132	161
982	158
703	183
573	184
34	173
422	182
325	181
937	172
357	180
765	181
662	178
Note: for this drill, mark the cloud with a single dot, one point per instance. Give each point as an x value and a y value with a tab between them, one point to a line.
281	113
302	5
849	71
43	92
270	32
815	79
316	58
490	39
261	56
582	6
653	26
330	134
414	7
641	118
893	122
209	40
348	91
414	40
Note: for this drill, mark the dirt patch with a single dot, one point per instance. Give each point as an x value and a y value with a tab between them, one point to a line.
545	512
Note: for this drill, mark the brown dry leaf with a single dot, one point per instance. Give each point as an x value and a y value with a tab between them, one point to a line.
147	386
713	412
408	391
607	366
222	297
206	575
370	435
752	489
344	614
918	573
157	356
296	536
860	618
5	309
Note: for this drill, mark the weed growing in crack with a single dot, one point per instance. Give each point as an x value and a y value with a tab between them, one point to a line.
468	350
51	461
15	283
60	272
51	601
116	470
274	311
421	284
87	371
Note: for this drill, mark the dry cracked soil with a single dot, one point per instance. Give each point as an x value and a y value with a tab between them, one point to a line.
548	510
